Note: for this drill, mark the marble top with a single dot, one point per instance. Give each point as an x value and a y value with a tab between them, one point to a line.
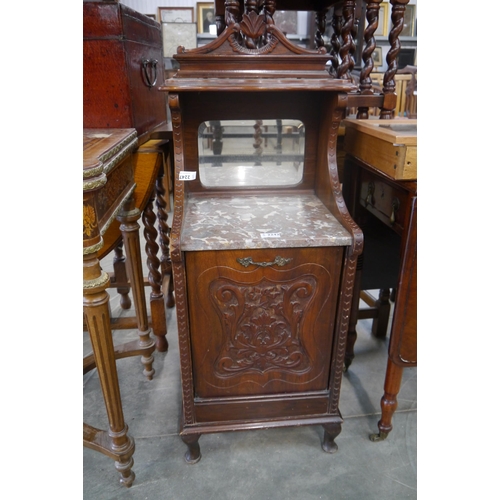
260	221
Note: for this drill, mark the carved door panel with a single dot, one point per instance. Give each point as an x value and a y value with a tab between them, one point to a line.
264	328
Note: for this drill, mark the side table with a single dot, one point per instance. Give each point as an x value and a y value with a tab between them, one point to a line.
380	189
108	193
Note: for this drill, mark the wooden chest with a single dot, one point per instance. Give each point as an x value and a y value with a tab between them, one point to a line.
388	145
122	69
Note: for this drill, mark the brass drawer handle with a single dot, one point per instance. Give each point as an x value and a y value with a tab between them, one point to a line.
395	207
279	261
369	197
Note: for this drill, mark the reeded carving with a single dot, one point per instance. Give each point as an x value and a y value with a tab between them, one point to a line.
263	325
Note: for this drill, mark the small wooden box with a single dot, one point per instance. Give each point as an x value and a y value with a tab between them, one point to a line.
387	145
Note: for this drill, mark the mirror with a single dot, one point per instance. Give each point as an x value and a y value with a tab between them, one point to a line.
251	153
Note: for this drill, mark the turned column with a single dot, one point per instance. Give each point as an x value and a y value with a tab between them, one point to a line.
128	216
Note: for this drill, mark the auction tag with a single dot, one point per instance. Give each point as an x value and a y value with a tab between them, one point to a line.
187	176
270	235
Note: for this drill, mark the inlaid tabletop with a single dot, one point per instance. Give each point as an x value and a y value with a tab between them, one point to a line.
260	221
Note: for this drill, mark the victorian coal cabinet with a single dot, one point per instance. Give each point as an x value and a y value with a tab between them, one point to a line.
263	248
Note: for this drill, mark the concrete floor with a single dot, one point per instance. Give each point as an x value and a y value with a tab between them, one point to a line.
266	464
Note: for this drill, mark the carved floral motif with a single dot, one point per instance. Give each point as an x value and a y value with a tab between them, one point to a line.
263	325
89	220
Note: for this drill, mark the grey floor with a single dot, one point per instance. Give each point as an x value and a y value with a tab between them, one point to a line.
266	464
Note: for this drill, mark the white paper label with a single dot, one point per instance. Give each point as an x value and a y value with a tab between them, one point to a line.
270	235
187	176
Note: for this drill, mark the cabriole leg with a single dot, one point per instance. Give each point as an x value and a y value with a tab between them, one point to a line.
331	432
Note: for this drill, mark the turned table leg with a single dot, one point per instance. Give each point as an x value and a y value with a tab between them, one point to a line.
115	442
389	402
130	233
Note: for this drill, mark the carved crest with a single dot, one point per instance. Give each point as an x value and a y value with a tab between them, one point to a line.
253	25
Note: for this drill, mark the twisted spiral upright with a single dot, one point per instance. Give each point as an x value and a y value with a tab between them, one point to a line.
233	14
397	18
337	21
372	12
258	140
153	263
347	62
164	229
321	26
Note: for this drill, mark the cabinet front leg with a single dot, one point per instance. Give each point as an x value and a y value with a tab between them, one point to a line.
331	432
389	402
193	454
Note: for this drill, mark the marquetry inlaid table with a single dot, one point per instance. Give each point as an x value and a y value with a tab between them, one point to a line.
108	193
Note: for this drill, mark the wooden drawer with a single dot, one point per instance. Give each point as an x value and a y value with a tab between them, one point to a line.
116	92
387	145
247	323
383	199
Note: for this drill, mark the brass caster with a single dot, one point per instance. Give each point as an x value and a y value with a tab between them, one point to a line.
375	438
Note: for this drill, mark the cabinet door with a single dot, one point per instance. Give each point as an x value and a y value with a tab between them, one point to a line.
260	330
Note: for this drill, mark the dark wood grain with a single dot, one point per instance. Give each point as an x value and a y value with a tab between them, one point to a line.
236	375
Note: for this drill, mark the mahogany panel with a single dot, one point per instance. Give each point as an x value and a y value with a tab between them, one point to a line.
263	330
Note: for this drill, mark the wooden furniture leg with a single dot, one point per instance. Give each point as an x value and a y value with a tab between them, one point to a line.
193	454
381	320
156	300
115	443
331	432
389	402
130	233
164	230
120	276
